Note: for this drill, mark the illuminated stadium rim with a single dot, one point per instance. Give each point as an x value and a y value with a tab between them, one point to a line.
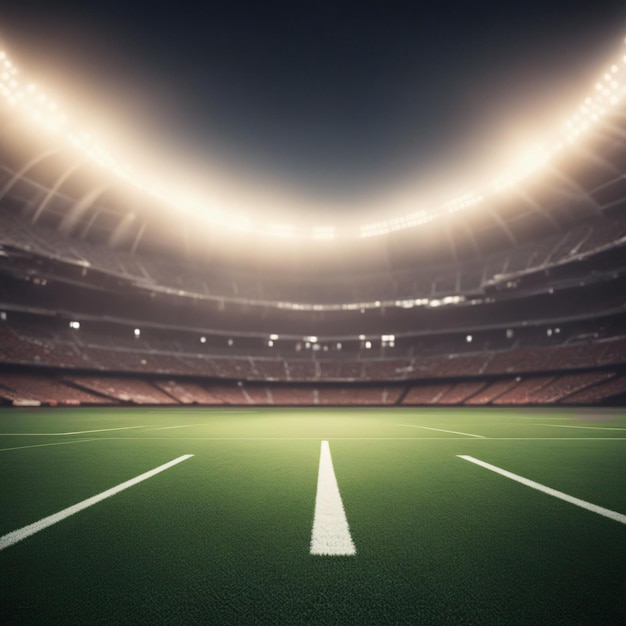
37	106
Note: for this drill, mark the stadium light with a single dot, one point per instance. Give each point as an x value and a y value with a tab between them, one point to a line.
323	233
137	332
75	325
222	202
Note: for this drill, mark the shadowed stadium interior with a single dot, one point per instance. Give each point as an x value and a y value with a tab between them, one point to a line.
223	402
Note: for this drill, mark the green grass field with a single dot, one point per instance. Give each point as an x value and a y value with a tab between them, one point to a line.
224	536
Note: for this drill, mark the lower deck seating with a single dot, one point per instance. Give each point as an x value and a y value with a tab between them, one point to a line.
51	389
425	394
525	391
43	389
597	393
124	389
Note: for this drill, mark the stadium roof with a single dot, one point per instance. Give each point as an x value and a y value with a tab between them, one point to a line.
229	200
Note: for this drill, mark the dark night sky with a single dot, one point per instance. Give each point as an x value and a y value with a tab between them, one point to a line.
335	95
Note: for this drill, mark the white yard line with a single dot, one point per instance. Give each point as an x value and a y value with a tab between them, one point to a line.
172	427
43	445
366	438
531	417
199	409
17	535
584	427
331	534
77	432
618	517
454	432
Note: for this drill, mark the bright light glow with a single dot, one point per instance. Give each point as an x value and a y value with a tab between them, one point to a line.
75	325
281	230
468	339
323	233
222	203
273	337
202	339
137	332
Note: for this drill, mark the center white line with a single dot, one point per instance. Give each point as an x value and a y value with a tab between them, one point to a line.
618	517
17	535
454	432
331	534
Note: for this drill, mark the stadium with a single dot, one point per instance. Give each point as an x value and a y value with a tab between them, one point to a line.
179	361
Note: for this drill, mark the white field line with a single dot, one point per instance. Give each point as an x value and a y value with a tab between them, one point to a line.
618	517
584	427
77	432
17	535
172	427
43	445
331	534
532	417
365	438
209	408
454	432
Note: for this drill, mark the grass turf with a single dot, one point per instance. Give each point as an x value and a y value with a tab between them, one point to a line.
224	537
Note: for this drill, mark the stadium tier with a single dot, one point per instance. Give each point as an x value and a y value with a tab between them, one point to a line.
515	295
236	390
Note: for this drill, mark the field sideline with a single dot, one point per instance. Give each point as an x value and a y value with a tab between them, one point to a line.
329	516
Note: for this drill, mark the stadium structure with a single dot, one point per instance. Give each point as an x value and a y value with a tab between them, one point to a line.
402	341
118	290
